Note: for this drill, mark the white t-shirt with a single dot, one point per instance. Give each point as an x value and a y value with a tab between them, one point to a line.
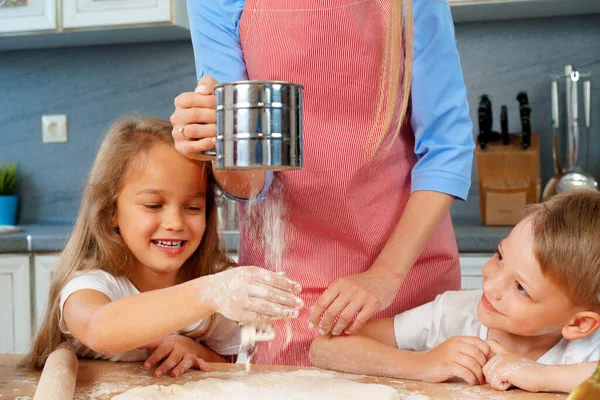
455	314
222	336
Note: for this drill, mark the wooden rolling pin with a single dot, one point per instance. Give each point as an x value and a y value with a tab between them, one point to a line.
59	375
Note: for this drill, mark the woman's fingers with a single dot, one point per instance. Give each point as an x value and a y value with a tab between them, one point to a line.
322	304
187	116
195	131
206	85
195	100
363	316
194	149
346	317
332	312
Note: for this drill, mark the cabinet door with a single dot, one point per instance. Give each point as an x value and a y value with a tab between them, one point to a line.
94	13
15	305
470	269
27	15
44	266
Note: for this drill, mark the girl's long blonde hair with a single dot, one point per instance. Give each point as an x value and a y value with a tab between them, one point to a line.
95	244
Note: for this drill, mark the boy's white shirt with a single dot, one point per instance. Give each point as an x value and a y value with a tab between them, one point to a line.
223	336
454	313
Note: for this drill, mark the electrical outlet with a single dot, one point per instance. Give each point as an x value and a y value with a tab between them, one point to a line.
54	128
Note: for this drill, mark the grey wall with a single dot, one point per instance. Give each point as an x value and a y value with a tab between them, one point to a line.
94	85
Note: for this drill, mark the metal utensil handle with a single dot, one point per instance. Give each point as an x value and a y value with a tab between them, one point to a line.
555	121
569	108
575	118
587	95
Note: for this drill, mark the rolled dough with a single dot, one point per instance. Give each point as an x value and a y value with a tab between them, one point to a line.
298	385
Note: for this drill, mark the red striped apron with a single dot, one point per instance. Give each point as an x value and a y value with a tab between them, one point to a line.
340	209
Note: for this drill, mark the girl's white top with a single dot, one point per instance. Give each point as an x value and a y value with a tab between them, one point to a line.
222	336
454	313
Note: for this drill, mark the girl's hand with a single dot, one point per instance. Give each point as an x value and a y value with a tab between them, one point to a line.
363	294
249	294
508	369
181	352
460	356
195	120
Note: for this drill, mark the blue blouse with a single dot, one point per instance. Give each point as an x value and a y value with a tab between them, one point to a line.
440	111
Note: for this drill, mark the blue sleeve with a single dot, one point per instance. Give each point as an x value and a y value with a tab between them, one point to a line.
440	111
214	26
214	29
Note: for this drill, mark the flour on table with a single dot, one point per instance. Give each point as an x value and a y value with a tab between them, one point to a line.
298	385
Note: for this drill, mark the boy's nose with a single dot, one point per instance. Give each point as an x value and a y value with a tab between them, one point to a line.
493	285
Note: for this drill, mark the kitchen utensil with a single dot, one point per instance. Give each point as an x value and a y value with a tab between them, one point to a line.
252	333
569	108
59	375
259	126
575	178
550	188
504	125
587	94
485	121
525	112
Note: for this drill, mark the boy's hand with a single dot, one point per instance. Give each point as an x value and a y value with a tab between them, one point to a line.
508	369
182	353
460	356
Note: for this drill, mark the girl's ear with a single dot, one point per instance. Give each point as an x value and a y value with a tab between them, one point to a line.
113	222
584	323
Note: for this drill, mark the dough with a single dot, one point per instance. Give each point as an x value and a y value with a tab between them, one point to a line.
298	385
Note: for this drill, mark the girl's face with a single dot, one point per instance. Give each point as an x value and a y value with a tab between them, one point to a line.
161	211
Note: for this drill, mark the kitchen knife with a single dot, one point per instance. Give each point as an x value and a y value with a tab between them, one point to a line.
525	112
485	121
504	124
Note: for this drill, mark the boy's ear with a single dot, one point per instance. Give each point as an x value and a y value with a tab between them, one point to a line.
583	323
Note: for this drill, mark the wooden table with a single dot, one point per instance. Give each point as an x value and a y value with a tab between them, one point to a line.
104	379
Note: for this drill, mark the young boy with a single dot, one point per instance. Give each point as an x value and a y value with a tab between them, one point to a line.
534	325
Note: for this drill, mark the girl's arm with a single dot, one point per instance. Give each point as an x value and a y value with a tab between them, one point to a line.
241	294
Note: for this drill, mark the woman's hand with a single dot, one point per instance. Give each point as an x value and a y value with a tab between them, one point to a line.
181	353
363	294
248	294
195	120
461	356
508	369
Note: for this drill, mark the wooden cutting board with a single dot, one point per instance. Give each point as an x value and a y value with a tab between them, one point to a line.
104	379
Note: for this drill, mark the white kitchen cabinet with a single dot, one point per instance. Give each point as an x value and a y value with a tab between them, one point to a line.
96	13
15	304
470	269
43	266
27	15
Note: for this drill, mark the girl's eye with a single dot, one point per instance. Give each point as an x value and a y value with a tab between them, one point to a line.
193	209
521	289
499	256
153	206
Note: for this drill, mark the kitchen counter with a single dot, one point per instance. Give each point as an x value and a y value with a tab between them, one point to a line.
471	236
103	379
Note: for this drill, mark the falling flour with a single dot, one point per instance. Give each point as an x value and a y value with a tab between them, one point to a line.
298	385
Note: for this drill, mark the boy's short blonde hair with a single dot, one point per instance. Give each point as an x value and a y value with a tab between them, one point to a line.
567	244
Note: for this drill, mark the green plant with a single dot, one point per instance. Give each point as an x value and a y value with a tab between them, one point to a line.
8	179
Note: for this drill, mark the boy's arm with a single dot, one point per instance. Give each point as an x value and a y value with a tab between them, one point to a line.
371	351
507	369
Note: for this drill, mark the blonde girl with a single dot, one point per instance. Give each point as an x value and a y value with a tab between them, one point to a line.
144	276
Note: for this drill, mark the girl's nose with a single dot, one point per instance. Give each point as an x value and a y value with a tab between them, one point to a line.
173	221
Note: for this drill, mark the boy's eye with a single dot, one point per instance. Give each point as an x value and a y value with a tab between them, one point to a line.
153	206
521	289
499	256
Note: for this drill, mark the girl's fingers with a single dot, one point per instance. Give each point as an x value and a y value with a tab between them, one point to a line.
277	281
346	317
472	365
167	365
332	312
269	309
322	304
158	354
275	295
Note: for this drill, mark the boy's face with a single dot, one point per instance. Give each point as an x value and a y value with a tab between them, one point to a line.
517	297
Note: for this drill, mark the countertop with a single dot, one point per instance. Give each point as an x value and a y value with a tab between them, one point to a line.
103	379
471	236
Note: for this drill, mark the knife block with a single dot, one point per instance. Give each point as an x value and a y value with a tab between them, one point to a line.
508	178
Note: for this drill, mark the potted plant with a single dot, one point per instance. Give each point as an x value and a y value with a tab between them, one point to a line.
8	199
